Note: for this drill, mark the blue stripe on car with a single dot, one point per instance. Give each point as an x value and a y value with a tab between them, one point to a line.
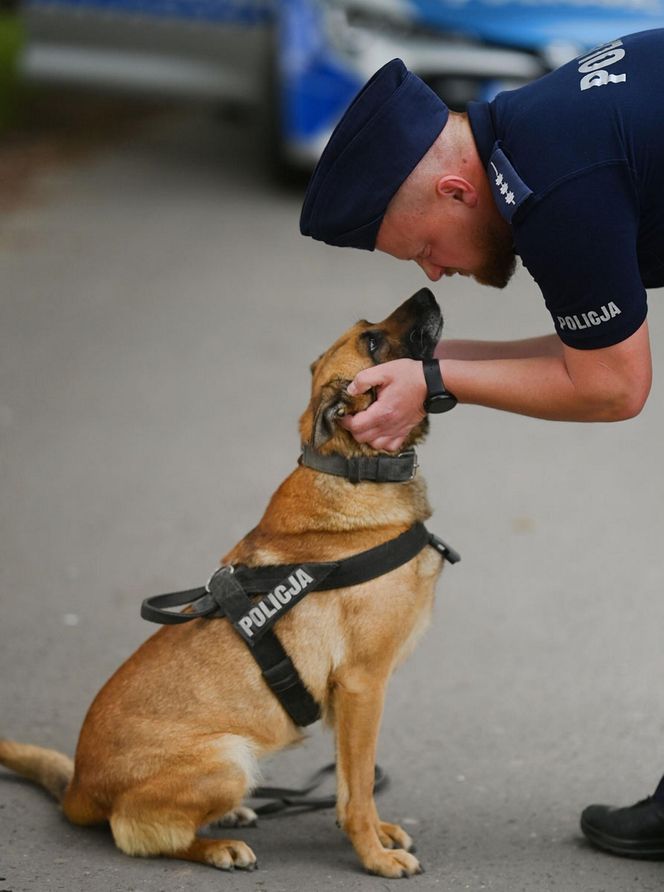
315	86
532	24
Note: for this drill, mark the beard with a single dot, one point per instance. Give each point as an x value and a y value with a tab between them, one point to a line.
499	262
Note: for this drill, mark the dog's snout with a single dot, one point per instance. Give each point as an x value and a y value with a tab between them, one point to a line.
424	300
424	335
417	323
422	339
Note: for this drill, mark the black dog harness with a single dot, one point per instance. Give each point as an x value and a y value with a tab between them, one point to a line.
229	590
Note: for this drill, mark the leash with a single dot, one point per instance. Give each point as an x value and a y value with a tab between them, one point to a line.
297	801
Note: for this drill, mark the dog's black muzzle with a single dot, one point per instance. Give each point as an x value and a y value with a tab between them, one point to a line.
422	338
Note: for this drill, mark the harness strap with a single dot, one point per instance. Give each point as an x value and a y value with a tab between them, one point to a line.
256	580
382	468
352	570
276	666
227	594
154	609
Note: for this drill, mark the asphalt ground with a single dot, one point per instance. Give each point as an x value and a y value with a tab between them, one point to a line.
159	312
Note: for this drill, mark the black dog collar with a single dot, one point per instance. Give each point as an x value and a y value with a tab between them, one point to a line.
383	468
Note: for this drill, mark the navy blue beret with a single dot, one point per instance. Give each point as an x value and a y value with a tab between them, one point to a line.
387	129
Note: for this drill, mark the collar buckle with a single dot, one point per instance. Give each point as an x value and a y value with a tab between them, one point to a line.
415	466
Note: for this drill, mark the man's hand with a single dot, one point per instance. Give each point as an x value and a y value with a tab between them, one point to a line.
400	393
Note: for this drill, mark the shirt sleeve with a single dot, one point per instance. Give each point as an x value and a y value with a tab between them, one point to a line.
579	242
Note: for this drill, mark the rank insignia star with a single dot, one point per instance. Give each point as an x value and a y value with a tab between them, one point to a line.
509	198
504	189
499	179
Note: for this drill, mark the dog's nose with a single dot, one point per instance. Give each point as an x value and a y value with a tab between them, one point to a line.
424	301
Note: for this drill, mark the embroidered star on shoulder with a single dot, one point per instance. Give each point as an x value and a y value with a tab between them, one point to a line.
499	179
503	189
509	198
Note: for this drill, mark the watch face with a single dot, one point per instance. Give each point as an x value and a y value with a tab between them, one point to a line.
441	402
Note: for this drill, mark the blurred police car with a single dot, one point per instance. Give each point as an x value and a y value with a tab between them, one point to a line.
304	60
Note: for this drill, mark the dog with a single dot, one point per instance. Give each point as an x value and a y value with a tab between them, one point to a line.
172	741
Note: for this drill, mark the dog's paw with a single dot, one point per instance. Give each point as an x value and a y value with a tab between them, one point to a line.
391	836
394	864
227	854
237	817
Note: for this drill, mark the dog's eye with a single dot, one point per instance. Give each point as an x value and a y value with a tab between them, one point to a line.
374	341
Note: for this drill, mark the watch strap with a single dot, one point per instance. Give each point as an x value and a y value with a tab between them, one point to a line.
433	377
438	398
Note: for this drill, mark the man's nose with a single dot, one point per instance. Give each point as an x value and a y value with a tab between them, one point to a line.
431	270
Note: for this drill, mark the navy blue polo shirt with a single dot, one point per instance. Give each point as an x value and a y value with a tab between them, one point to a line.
576	164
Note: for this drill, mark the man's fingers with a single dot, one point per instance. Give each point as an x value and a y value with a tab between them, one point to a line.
385	424
371	432
359	426
365	380
362	422
387	444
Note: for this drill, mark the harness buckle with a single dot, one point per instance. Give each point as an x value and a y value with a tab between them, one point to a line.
282	676
449	553
225	568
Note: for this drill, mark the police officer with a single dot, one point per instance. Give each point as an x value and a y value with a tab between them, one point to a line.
568	172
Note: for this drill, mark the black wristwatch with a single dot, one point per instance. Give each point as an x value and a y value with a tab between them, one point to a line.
438	399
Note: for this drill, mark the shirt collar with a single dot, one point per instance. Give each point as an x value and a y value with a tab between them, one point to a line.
481	123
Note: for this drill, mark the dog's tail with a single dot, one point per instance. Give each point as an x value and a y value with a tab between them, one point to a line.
49	768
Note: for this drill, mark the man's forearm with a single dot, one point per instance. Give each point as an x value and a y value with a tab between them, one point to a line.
547	345
606	384
527	376
540	386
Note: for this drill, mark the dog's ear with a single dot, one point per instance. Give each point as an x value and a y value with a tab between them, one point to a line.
331	405
314	364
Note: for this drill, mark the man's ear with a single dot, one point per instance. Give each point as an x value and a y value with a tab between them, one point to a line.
330	406
457	188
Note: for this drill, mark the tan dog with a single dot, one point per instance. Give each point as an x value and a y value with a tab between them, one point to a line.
171	742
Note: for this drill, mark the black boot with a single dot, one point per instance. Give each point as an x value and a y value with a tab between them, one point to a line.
636	831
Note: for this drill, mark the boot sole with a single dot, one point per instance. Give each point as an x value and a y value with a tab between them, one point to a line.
653	850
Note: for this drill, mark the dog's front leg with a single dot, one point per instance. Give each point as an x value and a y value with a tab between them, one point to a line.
358	706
